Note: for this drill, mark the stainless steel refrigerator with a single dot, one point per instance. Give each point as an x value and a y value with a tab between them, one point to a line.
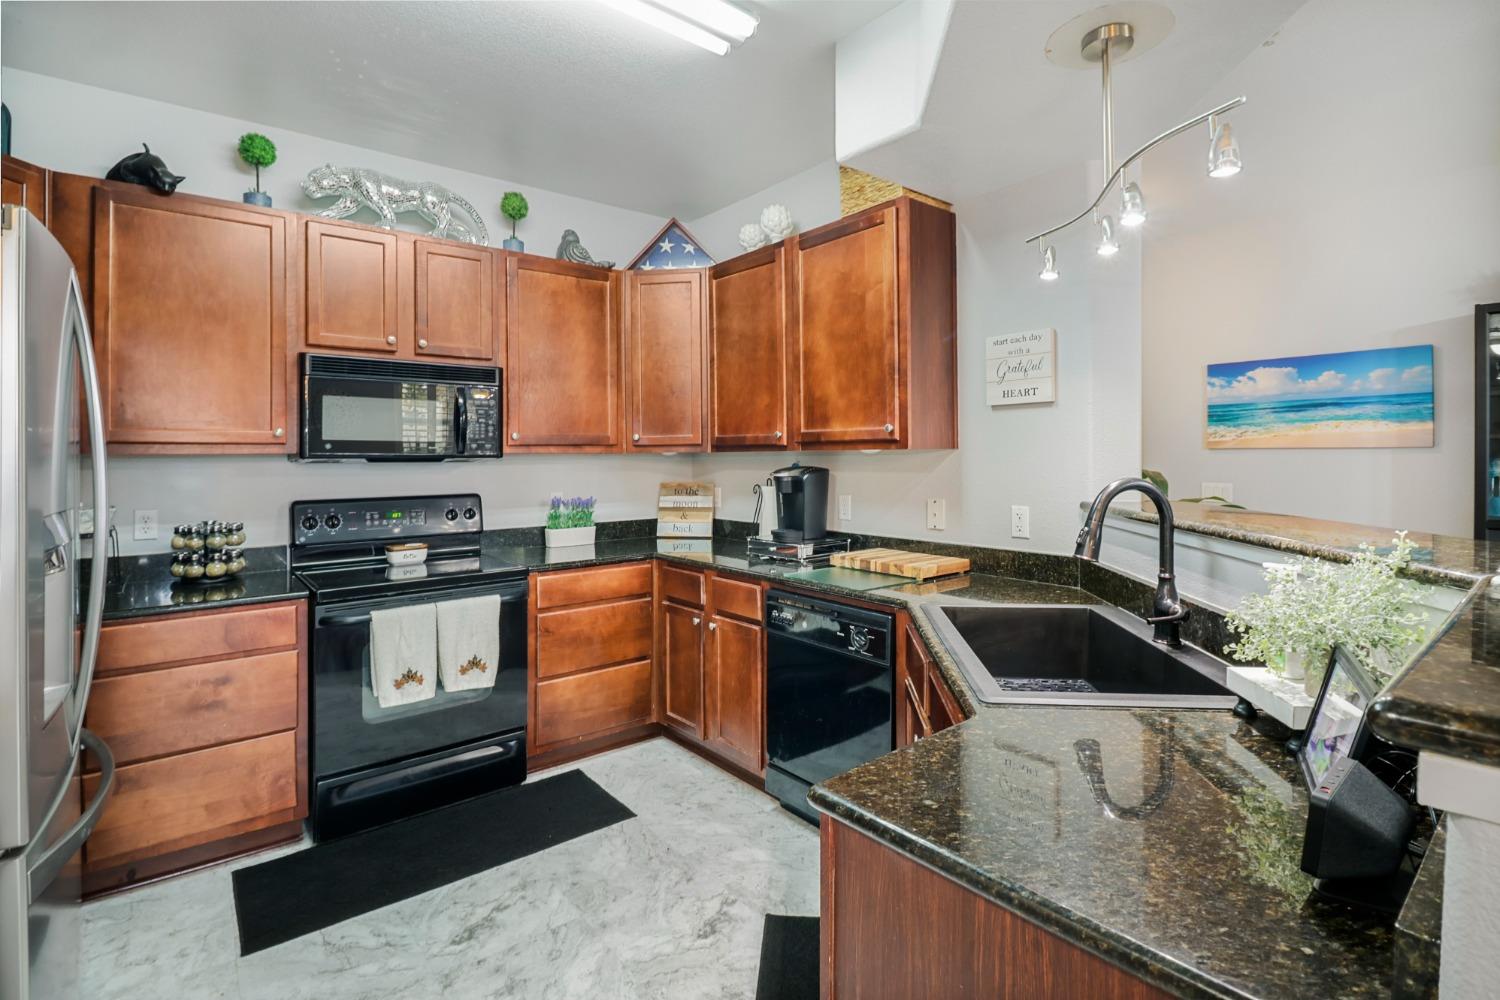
51	599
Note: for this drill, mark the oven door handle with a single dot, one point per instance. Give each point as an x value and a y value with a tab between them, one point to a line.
345	620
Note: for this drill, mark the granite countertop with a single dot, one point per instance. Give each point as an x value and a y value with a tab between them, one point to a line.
139	586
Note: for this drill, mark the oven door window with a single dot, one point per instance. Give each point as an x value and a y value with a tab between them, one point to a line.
357	417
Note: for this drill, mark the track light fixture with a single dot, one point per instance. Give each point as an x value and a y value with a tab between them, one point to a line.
1103	44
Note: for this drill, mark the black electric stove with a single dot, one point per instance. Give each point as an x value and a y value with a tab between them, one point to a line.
374	764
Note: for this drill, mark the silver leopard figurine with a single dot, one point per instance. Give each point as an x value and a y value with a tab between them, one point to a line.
357	188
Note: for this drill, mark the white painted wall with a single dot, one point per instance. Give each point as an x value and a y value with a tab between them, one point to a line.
883	73
1366	216
812	197
84	130
1045	456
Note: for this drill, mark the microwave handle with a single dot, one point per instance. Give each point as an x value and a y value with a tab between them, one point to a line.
461	419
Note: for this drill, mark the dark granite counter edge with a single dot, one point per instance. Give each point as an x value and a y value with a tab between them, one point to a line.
294	592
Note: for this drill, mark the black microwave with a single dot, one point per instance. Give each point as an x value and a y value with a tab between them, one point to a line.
398	411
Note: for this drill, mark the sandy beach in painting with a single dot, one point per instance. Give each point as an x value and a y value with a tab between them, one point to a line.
1330	434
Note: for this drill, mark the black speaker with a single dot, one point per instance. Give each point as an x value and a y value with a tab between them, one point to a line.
1356	826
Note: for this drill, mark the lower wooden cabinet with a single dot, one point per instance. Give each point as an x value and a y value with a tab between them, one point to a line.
924	702
682	668
205	714
734	671
591	654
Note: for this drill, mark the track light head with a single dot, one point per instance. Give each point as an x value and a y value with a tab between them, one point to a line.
1108	245
1132	206
1049	264
1223	151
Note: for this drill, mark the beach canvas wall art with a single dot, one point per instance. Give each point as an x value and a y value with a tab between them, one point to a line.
1354	399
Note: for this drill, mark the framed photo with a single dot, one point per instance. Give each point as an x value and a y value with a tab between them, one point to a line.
1337	727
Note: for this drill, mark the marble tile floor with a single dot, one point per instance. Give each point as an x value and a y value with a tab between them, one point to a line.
667	905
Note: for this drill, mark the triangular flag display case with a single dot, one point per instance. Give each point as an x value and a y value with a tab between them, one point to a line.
672	247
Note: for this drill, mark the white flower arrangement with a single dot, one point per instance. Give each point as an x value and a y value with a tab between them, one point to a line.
1313	605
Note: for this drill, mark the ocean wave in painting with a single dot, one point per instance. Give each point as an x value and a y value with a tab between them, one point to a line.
1369	412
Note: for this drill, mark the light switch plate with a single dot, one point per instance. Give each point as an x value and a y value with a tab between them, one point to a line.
718	498
145	525
937	514
846	507
1224	491
1020	522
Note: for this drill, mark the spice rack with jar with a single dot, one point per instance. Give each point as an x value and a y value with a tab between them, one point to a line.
208	551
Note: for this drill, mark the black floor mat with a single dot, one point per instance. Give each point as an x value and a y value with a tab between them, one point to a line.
788	959
318	887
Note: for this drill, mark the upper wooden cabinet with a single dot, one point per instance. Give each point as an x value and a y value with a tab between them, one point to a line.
665	360
874	355
748	349
562	378
190	322
371	290
24	184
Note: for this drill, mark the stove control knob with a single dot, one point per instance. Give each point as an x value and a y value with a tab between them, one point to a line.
451	514
332	522
470	513
309	522
859	639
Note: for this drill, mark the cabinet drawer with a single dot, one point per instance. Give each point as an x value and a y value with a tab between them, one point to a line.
685	586
182	638
734	597
184	708
582	586
195	798
579	638
593	703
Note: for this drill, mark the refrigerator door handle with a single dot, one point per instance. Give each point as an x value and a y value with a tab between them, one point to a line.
99	564
46	868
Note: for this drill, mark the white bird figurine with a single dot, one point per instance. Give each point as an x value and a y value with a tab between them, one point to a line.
777	222
571	249
752	236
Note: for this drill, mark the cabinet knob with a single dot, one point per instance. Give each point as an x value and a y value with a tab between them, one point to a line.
422	343
280	431
697	621
390	338
778	435
713	626
889	428
515	435
635	437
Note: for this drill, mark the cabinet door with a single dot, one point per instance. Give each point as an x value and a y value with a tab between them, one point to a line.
24	184
682	668
911	690
190	321
748	345
734	669
351	282
562	376
664	338
848	342
457	308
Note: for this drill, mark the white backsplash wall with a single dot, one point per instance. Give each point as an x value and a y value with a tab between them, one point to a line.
257	489
85	130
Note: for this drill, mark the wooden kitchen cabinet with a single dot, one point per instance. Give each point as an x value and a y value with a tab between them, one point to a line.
563	372
682	668
666	360
458	301
748	397
24	184
350	283
924	702
205	713
590	649
190	322
874	330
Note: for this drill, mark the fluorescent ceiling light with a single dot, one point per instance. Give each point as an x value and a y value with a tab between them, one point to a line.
671	24
716	15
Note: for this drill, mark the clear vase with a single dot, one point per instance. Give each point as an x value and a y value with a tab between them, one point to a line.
1294	665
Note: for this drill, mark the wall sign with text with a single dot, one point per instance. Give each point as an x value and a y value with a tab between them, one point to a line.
1020	368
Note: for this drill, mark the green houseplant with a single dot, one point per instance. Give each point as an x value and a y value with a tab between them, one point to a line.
570	522
514	207
257	151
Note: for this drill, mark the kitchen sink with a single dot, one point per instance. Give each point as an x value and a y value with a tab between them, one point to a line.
1074	655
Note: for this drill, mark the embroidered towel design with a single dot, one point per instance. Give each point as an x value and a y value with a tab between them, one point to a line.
469	642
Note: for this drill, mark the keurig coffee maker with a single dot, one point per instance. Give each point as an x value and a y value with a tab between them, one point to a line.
801	503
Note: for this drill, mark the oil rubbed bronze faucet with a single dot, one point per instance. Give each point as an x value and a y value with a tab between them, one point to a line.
1168	612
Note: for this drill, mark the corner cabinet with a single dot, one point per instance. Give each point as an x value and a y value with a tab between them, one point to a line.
562	372
874	330
190	322
665	360
748	397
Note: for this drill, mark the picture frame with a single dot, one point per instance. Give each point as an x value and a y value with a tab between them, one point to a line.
1339	724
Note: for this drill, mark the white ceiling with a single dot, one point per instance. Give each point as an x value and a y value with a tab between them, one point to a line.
999	112
566	95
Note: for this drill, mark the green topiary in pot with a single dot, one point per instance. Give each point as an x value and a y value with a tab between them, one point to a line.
514	207
257	151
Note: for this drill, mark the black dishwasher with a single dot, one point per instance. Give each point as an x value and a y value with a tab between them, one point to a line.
829	693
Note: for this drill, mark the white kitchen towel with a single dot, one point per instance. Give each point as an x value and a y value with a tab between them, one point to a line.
469	642
403	654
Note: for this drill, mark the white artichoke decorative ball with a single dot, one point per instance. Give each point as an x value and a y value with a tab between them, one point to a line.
752	236
777	222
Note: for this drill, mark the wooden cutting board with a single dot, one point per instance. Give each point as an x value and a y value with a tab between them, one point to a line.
898	562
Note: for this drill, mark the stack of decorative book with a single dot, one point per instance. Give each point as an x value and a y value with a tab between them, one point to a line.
685	510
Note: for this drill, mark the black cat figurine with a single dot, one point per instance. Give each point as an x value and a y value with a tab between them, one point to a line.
145	168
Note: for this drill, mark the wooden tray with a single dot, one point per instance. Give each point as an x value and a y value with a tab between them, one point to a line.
915	565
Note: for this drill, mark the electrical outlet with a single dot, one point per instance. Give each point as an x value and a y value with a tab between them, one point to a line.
85	521
1020	522
145	525
846	507
718	498
1224	491
937	514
